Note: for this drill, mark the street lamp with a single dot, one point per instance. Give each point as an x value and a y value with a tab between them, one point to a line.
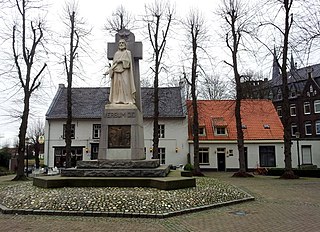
297	134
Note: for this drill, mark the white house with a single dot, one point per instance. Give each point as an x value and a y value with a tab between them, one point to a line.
263	134
88	105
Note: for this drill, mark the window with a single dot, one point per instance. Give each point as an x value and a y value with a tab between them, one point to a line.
306	107
220	131
96	131
202	131
294	129
279	111
279	95
161	131
162	155
267	156
293	111
72	131
204	155
317	106
308	128
318	127
60	156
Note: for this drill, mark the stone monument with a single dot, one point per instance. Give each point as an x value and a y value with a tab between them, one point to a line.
121	148
122	120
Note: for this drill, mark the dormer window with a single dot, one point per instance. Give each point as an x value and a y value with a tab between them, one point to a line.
220	126
202	131
220	131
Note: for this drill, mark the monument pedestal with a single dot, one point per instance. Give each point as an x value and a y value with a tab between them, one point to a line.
121	133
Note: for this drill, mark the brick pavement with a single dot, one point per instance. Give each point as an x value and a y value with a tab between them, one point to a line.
280	205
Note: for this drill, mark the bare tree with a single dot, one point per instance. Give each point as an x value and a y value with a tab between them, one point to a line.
35	130
76	33
288	21
281	24
235	16
308	23
159	17
213	88
26	41
120	19
196	33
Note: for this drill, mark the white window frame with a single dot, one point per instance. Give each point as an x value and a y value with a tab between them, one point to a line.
279	111
293	131
96	131
217	131
204	151
306	126
293	110
161	133
317	127
162	155
306	105
316	105
73	131
202	131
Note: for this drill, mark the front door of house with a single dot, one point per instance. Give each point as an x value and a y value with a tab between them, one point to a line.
221	155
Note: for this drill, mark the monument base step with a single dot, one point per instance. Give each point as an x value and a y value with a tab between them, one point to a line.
160	171
163	183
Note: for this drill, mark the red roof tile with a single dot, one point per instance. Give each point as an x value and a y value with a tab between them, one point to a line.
254	113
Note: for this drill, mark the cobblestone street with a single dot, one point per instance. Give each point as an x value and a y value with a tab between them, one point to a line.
280	205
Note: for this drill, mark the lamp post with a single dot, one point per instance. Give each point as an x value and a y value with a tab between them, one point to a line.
297	134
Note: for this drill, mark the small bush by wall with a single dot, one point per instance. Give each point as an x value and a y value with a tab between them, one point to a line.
298	172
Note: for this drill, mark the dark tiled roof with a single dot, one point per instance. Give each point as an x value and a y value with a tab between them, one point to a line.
298	76
88	103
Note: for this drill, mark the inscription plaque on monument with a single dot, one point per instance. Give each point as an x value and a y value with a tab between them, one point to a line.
119	136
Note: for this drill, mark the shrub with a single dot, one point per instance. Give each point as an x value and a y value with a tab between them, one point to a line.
4	157
298	172
188	167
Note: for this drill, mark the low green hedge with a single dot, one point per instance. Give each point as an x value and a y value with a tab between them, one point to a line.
298	172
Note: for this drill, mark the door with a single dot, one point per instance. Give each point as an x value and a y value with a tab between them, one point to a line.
221	155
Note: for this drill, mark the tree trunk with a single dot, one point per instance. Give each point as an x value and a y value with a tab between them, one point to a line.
69	71
288	174
155	151
20	175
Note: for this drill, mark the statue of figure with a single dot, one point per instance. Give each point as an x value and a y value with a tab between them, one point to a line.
122	89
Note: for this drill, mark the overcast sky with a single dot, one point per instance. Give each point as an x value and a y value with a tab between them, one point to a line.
95	13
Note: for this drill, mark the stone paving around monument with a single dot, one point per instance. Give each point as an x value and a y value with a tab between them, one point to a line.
24	198
279	205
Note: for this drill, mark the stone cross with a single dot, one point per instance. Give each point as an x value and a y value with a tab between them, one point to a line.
136	52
